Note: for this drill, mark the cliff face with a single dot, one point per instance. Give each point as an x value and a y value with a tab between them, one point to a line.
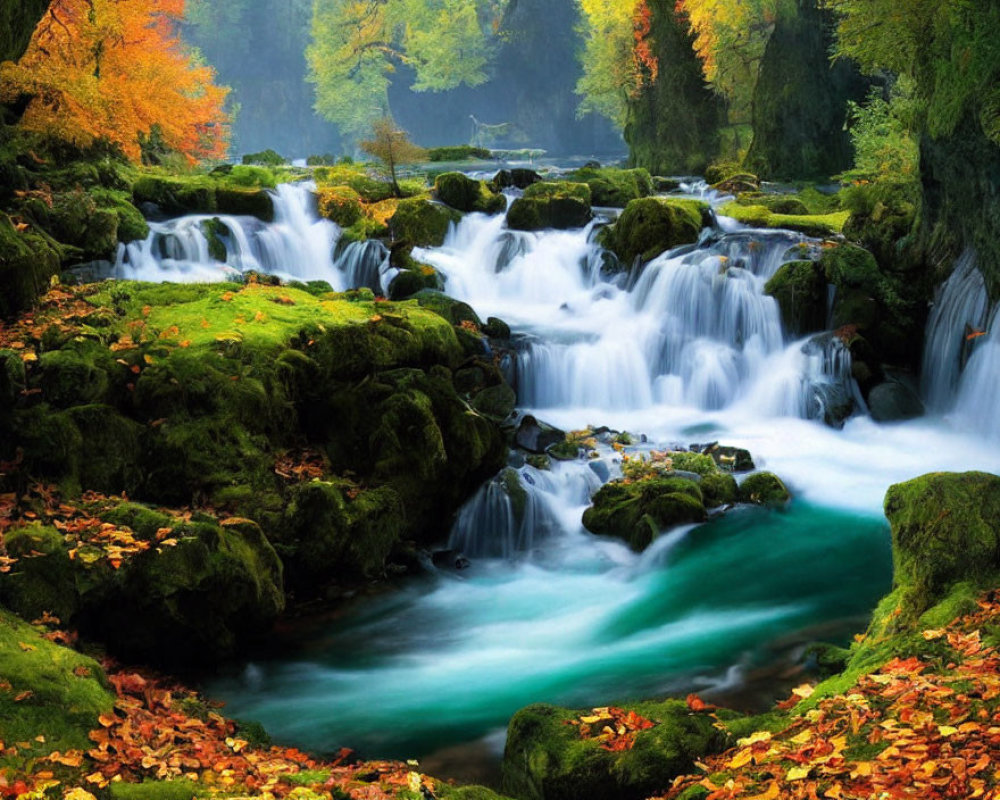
673	126
18	19
960	176
800	103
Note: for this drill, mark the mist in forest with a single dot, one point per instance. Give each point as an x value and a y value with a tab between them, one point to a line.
259	48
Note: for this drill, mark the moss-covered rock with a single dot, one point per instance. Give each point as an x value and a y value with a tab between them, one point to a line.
514	179
639	512
614	188
764	489
800	289
719	489
759	216
28	262
944	531
547	759
341	204
421	223
195	596
334	529
496	402
653	225
201	194
544	205
54	692
465	194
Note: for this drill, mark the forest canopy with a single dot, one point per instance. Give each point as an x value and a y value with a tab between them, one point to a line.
118	72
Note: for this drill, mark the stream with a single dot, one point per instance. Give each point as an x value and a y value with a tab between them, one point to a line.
691	352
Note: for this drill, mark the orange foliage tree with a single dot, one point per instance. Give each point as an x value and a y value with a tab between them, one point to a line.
116	70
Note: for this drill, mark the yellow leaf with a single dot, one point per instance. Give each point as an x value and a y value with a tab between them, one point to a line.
77	793
772	793
797	773
931	635
803	737
947	730
741	759
804	691
753	738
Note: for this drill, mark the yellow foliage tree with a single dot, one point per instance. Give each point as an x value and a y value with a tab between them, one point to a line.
116	70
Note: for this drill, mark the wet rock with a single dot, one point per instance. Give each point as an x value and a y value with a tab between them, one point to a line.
514	179
732	459
893	401
764	489
536	437
450	559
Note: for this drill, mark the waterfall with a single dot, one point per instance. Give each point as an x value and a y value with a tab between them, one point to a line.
960	306
694	329
298	245
522	509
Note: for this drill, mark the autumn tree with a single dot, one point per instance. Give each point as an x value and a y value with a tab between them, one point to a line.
116	71
357	46
393	148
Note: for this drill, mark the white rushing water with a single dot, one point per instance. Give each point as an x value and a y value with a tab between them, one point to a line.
298	245
961	375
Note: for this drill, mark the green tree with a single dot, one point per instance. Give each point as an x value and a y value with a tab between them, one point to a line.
392	146
357	46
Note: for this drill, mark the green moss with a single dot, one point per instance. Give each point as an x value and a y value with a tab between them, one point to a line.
546	759
719	489
551	205
370	188
67	690
640	511
202	194
268	158
462	152
800	290
181	789
342	205
420	222
496	402
465	194
693	462
764	489
763	217
28	261
614	188
944	532
652	225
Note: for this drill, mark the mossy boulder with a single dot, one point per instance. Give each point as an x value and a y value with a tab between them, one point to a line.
944	532
455	311
28	262
800	290
640	511
764	489
194	600
340	204
719	489
865	295
421	223
544	205
201	194
334	529
465	194
60	693
496	402
547	759
514	179
653	225
614	188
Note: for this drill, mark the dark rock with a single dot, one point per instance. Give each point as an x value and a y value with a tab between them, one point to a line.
800	289
893	401
536	437
514	179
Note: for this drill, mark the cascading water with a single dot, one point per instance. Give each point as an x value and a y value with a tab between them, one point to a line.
960	307
962	353
695	329
298	245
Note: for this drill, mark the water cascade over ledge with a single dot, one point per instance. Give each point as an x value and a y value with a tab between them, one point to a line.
298	245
